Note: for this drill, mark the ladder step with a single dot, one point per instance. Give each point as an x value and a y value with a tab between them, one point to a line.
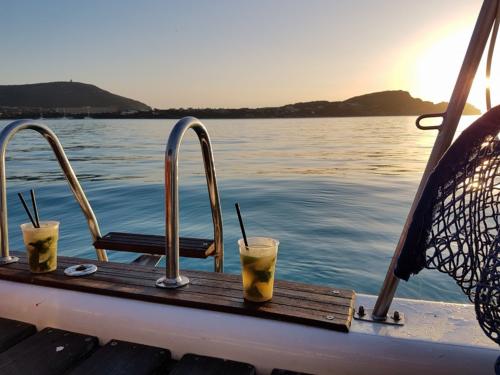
123	358
154	244
14	331
49	352
192	364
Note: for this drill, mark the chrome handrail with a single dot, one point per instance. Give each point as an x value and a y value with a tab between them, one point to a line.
173	279
5	136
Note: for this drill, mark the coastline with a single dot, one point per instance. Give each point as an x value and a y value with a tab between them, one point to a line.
202	116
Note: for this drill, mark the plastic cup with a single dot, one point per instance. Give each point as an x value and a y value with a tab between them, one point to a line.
258	263
41	245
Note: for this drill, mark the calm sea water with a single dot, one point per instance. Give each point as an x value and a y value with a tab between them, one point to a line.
334	191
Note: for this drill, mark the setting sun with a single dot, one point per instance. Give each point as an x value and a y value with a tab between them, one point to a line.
437	63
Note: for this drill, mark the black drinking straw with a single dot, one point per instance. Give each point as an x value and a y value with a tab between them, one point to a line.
241	224
33	202
27	209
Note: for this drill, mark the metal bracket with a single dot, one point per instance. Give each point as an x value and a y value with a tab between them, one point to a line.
395	319
80	270
166	283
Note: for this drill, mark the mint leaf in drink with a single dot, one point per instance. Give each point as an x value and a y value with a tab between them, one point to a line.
41	255
42	246
262	276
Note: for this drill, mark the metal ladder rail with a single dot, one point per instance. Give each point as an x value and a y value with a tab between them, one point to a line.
5	136
173	279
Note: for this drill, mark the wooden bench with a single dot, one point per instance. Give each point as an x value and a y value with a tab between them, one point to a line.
311	305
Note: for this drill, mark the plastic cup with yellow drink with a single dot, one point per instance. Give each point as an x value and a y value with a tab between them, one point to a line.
41	245
258	263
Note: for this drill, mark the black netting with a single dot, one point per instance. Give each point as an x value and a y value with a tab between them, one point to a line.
465	216
455	227
487	299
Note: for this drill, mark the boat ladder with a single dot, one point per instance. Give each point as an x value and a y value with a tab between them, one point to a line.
153	247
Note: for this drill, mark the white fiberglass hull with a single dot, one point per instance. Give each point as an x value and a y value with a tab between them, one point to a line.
438	338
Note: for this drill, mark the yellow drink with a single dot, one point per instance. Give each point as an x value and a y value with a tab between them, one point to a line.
41	245
258	263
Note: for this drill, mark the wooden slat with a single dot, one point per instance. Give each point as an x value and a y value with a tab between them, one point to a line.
292	302
49	352
192	364
153	244
14	331
124	358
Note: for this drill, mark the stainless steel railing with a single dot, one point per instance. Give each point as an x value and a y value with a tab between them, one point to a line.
5	136
173	279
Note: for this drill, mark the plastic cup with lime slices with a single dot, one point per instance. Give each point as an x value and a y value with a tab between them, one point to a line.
258	263
41	245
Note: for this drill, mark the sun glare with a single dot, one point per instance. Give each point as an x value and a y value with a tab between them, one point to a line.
437	67
438	63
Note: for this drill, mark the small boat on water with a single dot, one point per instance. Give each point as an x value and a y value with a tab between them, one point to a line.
100	317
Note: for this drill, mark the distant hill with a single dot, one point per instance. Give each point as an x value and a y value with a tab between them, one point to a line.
68	97
384	103
57	99
397	102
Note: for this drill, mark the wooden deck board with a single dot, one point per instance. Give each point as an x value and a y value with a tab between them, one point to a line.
292	302
14	331
49	352
124	358
154	244
192	364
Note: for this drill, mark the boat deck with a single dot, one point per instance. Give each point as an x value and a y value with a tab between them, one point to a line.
445	335
53	351
311	305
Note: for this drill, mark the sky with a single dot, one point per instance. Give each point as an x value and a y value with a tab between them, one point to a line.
239	53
